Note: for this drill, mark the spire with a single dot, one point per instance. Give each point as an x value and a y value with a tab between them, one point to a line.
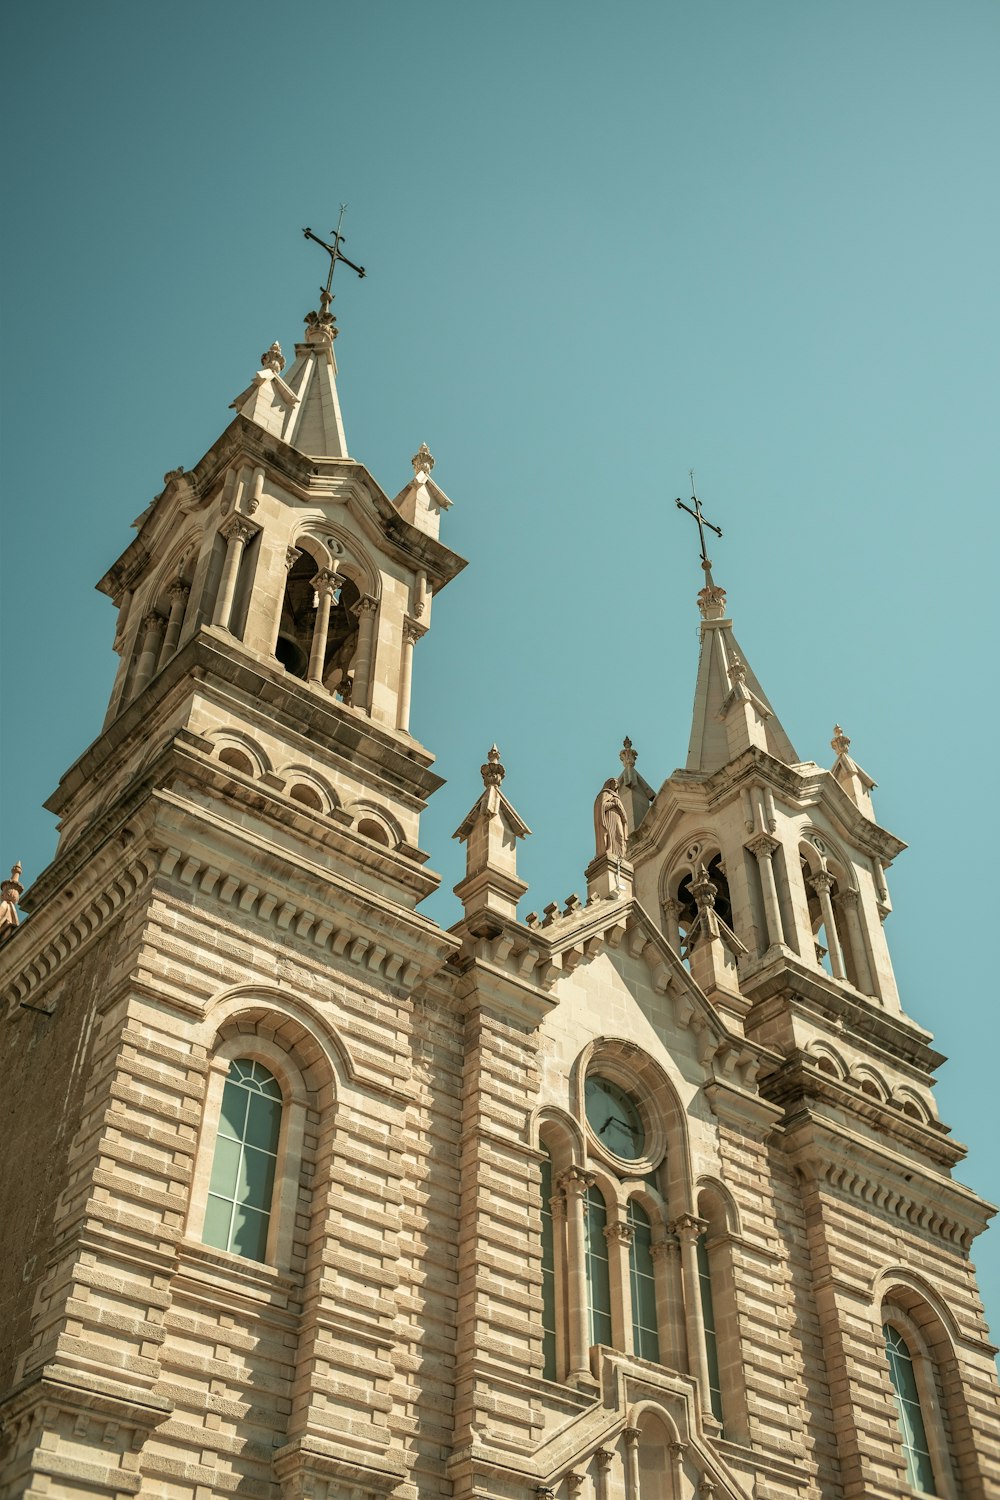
490	834
731	709
304	409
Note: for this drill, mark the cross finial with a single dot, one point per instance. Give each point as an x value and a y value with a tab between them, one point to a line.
334	252
701	521
321	325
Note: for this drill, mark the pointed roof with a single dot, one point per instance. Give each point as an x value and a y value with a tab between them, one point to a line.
725	679
303	409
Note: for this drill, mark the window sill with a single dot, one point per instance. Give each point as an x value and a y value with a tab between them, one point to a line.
217	1269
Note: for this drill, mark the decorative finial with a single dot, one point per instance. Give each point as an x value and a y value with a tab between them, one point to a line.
492	772
627	755
737	671
422	460
840	742
712	602
273	359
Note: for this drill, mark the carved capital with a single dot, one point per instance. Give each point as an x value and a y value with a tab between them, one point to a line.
412	631
688	1227
574	1482
179	589
575	1182
544	1492
677	1451
325	581
557	1203
706	1488
604	1458
663	1250
618	1233
366	605
672	908
153	623
292	555
239	529
821	882
848	897
631	1436
762	846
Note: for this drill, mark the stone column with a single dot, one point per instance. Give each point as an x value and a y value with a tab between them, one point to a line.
619	1238
687	1229
763	848
365	609
603	1459
178	591
575	1183
237	533
677	1452
152	634
848	901
631	1436
822	883
324	583
411	634
671	923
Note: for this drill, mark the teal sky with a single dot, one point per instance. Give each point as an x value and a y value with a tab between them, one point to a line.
604	244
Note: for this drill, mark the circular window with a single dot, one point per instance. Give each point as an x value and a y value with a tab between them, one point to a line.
614	1117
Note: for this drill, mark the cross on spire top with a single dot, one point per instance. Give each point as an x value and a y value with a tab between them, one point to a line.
702	521
324	319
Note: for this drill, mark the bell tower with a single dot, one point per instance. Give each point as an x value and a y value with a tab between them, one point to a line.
228	933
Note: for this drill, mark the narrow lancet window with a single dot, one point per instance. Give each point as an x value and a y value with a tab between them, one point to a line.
708	1320
645	1331
598	1272
919	1473
238	1214
548	1274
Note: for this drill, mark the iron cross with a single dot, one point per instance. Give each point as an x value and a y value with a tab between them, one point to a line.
702	521
334	251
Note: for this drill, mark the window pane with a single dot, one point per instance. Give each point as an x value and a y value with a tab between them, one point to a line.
249	1233
263	1122
225	1168
256	1179
645	1332
548	1275
708	1319
235	1101
218	1217
598	1277
243	1168
911	1421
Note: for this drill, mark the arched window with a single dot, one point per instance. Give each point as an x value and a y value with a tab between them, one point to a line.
645	1328
238	1211
708	1319
548	1273
598	1269
919	1471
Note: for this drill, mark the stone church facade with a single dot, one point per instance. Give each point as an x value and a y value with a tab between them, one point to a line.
305	1196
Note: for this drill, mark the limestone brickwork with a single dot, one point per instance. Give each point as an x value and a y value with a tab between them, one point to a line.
608	1202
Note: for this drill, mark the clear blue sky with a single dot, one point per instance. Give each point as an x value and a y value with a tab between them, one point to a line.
604	244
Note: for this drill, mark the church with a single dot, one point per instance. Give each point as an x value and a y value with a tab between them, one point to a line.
640	1197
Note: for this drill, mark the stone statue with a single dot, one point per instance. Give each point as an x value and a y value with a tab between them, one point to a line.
610	822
